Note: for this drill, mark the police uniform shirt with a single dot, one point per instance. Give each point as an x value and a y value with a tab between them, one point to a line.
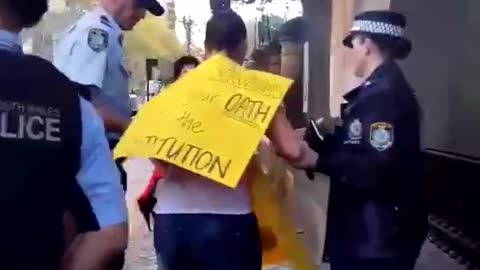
380	121
10	41
49	164
91	53
98	176
373	161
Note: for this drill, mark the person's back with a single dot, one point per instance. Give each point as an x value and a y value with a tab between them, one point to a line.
40	138
183	192
188	193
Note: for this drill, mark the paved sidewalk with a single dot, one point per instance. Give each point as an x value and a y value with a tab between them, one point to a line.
140	253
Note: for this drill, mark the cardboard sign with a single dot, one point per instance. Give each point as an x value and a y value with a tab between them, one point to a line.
209	122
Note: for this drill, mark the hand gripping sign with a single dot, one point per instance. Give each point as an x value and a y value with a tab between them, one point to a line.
208	122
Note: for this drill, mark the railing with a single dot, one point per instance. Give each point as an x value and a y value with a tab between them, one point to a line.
453	196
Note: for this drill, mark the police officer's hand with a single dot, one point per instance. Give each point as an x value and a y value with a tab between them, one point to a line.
327	125
318	129
312	135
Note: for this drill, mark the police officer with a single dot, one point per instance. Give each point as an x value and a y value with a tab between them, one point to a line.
376	216
53	156
91	54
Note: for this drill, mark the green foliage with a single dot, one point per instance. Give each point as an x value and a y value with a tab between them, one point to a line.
151	38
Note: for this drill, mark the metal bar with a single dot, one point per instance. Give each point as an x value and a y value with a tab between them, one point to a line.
453	155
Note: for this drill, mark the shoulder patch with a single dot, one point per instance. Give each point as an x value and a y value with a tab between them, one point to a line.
105	21
97	39
381	136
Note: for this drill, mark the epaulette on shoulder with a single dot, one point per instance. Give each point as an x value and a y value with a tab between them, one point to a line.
379	85
105	21
376	88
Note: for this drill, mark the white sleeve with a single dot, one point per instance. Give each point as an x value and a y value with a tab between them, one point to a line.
98	177
87	57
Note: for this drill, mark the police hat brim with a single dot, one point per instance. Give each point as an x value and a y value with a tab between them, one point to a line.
347	41
153	6
401	50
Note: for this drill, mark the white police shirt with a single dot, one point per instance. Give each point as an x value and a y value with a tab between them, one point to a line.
91	53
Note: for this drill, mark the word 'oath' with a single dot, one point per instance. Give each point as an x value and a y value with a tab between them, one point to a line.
246	109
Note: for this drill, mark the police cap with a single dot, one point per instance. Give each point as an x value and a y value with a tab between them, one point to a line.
382	24
153	6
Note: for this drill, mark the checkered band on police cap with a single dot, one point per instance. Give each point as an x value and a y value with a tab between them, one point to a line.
377	28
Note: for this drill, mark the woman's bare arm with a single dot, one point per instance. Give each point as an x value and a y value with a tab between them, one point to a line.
283	137
289	143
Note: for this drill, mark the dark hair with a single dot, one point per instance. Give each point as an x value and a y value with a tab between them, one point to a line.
27	12
393	47
261	56
225	31
294	30
182	62
275	48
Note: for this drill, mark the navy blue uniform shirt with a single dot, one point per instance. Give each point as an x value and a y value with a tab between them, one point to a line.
374	162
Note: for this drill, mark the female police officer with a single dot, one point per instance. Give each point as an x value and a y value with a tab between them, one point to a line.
376	218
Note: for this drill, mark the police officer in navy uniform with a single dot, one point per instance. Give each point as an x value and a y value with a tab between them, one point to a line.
376	217
91	53
53	157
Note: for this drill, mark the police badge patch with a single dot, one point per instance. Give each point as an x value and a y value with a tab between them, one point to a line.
97	39
354	132
381	136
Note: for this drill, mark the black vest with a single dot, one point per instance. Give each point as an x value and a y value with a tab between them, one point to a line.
40	139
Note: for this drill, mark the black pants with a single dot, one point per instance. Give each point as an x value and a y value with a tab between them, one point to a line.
400	263
118	162
207	242
118	263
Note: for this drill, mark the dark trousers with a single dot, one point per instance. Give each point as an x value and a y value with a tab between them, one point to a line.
400	263
118	162
207	242
118	263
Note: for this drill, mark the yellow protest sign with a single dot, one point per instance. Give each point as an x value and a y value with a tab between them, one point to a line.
208	122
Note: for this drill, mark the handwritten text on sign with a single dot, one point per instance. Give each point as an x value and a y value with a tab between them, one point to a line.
208	122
